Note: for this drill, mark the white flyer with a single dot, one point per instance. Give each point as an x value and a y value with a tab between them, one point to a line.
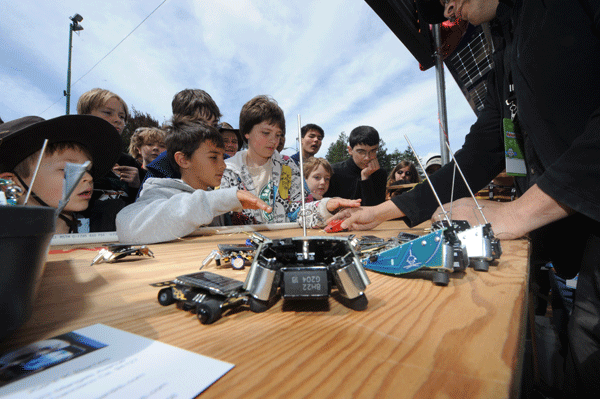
103	362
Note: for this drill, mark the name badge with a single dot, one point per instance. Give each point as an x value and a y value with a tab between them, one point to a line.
515	161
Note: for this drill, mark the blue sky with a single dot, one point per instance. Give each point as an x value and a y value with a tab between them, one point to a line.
334	63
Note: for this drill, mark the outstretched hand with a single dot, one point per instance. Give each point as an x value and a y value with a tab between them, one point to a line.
368	217
336	204
251	201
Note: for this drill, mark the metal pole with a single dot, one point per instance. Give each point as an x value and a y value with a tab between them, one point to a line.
68	92
441	94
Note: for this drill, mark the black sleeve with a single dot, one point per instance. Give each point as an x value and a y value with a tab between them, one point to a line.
373	189
481	158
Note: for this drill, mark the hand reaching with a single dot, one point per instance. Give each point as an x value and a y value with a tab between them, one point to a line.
251	201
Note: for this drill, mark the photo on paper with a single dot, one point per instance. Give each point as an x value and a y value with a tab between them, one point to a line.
43	355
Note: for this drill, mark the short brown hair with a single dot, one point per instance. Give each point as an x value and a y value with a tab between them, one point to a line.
143	135
312	164
96	98
186	134
25	167
195	103
260	109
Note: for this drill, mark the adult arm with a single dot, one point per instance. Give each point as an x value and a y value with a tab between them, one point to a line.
511	220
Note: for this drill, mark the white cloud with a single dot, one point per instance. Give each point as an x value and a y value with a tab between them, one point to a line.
333	62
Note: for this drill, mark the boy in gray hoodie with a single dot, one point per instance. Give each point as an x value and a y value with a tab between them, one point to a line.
168	209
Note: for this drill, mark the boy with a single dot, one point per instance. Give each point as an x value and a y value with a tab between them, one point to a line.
71	138
170	208
360	177
312	138
146	144
196	104
265	173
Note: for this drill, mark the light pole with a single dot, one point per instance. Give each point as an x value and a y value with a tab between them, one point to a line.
74	26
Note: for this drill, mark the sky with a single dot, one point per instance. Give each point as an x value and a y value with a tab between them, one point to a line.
333	63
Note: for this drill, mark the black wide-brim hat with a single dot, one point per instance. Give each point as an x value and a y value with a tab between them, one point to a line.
432	11
24	136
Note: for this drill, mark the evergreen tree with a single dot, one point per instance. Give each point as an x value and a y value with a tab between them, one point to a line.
338	150
385	161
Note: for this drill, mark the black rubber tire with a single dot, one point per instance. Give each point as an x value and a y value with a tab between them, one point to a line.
209	311
165	296
480	265
359	303
258	306
441	278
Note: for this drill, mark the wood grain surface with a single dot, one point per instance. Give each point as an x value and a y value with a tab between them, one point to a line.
414	339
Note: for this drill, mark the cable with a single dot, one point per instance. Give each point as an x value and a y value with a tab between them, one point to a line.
107	54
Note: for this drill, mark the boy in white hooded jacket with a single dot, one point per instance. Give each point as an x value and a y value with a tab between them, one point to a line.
168	209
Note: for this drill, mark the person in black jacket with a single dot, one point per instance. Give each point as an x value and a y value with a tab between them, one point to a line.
548	69
360	176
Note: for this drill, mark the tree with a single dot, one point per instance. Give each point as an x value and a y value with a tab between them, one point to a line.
338	150
384	159
137	119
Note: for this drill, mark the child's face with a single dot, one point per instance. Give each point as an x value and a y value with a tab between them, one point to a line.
112	112
205	167
48	184
403	174
231	142
150	150
318	182
263	139
311	142
362	154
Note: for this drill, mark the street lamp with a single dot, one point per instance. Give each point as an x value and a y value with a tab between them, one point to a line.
74	26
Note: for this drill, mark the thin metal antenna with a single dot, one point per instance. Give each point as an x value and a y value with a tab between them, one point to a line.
37	168
303	210
429	181
466	184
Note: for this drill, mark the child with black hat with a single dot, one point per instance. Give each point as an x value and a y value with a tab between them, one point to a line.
71	138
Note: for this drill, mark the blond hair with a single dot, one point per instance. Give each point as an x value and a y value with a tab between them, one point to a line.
145	135
96	98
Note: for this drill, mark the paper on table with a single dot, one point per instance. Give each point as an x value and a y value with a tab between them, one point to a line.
103	362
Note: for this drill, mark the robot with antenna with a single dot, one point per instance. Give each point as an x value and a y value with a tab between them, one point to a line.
451	246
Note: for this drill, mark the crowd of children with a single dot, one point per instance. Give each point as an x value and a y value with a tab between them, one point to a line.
189	173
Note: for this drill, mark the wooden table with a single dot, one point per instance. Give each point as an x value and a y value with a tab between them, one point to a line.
414	340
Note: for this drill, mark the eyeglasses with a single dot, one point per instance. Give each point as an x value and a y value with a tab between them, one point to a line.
404	172
364	153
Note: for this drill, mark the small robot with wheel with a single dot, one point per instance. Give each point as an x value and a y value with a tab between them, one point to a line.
206	293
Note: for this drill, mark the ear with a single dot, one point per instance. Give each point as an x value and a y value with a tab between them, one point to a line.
350	150
182	160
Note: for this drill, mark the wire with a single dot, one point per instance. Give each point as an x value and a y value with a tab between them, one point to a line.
107	54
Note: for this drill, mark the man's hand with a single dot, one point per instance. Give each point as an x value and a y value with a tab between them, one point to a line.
371	168
336	204
128	174
251	201
510	220
366	218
